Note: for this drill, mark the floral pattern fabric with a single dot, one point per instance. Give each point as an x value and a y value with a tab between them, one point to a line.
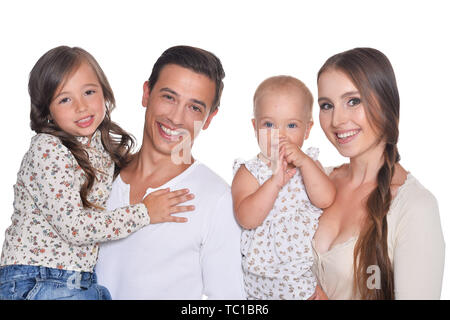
49	226
277	255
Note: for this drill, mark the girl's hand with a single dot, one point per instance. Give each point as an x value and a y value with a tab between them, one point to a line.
282	175
293	154
318	294
161	204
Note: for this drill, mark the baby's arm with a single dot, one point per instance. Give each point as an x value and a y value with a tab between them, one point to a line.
252	202
321	191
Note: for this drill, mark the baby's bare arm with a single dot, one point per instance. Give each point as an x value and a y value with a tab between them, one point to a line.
252	202
320	189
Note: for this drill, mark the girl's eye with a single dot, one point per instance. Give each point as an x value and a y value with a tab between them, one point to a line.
89	92
326	106
292	125
64	100
354	102
268	124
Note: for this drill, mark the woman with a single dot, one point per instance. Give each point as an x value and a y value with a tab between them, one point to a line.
382	237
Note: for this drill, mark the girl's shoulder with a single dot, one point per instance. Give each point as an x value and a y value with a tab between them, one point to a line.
48	146
42	139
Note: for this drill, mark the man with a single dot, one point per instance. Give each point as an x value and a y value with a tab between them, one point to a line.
176	260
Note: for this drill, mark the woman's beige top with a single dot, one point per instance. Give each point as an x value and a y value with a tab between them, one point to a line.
415	244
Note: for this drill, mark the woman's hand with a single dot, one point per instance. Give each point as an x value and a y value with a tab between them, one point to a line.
318	294
161	204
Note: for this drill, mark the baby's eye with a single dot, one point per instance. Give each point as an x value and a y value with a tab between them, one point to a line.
292	125
326	106
354	102
268	124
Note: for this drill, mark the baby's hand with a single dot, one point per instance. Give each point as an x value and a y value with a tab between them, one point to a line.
282	175
293	154
161	204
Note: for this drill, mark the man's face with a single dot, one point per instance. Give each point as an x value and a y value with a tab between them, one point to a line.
179	101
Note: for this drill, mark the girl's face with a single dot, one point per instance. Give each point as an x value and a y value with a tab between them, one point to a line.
280	114
342	115
78	106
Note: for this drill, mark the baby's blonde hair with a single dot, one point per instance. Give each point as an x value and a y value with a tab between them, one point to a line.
285	83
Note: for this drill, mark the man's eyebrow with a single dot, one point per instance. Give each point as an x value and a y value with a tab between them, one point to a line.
196	101
199	102
169	90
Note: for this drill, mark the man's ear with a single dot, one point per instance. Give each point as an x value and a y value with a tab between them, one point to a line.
308	129
145	94
210	117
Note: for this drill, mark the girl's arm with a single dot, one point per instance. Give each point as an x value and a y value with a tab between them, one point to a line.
321	191
252	202
49	175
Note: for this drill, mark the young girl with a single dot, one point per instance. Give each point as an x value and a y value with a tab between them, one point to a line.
277	195
50	249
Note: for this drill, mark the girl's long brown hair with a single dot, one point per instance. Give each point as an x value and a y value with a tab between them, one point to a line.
47	75
373	75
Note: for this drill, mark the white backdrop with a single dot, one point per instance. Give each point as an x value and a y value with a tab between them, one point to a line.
254	40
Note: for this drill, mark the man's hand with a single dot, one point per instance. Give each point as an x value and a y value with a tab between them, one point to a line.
161	204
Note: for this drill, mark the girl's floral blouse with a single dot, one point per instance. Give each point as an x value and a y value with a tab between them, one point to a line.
49	226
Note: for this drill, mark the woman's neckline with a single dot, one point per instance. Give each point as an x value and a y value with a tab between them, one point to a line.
408	180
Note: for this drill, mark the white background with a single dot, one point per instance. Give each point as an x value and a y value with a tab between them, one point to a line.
254	40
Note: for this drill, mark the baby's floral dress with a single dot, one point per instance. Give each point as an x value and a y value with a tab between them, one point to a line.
277	255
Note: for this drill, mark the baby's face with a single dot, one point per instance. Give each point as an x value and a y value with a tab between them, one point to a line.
280	114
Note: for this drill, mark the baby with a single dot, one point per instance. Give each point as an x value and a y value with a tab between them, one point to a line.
278	195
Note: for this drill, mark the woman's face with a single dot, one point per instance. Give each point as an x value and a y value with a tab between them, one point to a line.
342	115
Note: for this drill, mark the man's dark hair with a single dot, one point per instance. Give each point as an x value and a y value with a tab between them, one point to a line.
195	59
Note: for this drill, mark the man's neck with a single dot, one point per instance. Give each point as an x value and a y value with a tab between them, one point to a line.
149	169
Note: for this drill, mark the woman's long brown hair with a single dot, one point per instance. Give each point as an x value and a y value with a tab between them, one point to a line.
373	75
47	75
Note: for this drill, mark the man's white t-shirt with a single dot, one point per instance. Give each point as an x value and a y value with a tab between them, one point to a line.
178	260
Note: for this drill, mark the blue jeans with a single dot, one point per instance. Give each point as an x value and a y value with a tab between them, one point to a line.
21	282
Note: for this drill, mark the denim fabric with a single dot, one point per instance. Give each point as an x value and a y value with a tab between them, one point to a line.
20	282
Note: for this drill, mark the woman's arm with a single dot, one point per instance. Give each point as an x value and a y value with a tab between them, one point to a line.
419	252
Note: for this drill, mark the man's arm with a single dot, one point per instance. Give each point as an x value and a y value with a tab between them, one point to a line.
220	255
